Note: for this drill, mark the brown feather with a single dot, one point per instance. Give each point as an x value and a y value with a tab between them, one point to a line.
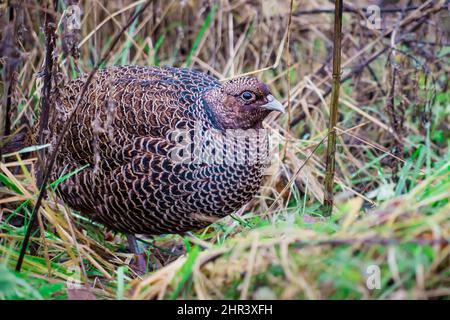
123	130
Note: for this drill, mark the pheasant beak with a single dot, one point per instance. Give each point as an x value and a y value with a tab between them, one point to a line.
273	104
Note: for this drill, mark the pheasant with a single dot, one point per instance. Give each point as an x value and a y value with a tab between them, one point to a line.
127	129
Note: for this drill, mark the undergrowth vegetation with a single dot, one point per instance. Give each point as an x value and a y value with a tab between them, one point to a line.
392	183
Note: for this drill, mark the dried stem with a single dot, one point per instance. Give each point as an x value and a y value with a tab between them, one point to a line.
50	39
45	101
288	60
331	144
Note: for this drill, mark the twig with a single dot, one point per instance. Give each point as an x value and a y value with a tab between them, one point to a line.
428	43
331	143
52	158
9	50
348	9
355	70
373	241
377	81
45	101
50	38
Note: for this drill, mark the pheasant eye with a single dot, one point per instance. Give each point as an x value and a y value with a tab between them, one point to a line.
247	95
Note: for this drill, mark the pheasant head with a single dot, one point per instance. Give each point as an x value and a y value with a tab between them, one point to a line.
241	103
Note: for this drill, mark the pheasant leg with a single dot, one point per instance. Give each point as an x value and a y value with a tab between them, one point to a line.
139	264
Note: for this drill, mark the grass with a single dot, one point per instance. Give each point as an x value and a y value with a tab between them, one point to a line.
392	186
287	254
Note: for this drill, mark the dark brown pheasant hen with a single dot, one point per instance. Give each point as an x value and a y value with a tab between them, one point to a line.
166	150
